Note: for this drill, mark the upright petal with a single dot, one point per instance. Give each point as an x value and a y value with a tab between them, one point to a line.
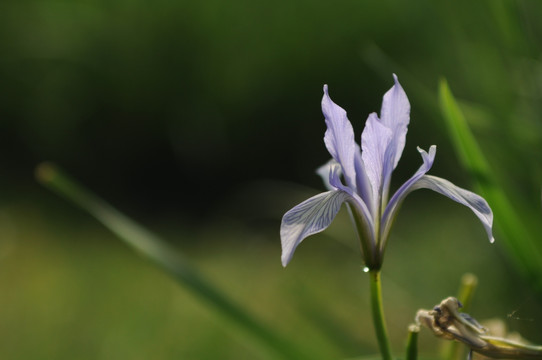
363	184
359	210
476	203
310	217
354	199
324	171
395	115
397	198
331	173
339	138
375	139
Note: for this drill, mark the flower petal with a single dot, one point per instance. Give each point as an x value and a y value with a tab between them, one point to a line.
324	171
395	115
310	217
359	211
397	198
339	138
363	184
375	139
476	203
331	175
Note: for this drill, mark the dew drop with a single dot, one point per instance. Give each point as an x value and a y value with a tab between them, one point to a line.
365	269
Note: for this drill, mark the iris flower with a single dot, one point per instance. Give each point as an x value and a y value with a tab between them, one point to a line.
360	177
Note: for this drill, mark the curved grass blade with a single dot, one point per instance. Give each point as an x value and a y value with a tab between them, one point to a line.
169	259
514	231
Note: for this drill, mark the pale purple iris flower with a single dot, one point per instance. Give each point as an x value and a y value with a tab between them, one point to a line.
361	178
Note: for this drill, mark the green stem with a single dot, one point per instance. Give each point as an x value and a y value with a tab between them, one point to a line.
412	342
378	315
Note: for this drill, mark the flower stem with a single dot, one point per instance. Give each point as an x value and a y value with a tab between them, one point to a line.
412	342
378	315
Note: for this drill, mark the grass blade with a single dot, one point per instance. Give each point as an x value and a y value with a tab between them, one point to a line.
169	259
514	232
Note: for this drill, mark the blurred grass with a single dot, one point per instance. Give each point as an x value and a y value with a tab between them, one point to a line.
69	289
518	233
172	261
171	111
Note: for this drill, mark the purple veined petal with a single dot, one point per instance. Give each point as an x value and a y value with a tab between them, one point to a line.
363	184
359	208
397	198
476	203
395	115
355	199
324	171
339	137
375	139
331	173
310	217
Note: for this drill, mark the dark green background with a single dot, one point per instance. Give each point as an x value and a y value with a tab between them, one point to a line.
202	120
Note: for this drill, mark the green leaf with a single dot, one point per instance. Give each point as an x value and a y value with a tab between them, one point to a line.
170	260
513	229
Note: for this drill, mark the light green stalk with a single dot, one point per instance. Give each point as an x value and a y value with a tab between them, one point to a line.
378	315
412	342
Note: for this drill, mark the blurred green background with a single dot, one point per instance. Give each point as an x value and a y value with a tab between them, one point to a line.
202	121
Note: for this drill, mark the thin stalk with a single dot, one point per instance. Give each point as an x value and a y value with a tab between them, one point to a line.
412	342
378	315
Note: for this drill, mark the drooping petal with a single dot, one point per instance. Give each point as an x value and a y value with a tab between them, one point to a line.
395	115
375	139
397	198
339	138
310	217
476	203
